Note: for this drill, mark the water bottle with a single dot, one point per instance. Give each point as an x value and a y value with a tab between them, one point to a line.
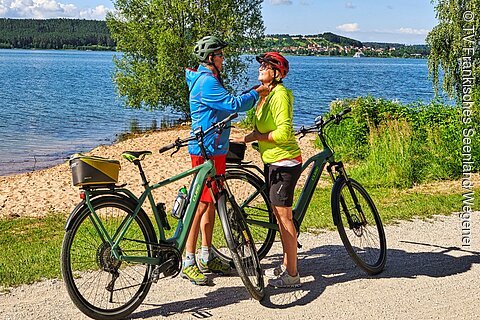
179	205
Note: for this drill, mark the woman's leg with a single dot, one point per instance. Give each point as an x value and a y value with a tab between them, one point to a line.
288	233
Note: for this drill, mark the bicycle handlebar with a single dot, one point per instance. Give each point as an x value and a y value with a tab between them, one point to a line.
181	142
320	123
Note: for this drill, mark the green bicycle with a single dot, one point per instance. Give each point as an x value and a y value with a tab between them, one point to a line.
354	213
111	254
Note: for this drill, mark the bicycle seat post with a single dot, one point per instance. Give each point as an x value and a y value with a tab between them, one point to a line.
142	173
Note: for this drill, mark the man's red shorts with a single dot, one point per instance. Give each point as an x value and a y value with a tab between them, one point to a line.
220	163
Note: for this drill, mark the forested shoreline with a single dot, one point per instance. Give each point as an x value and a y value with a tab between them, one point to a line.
83	34
55	34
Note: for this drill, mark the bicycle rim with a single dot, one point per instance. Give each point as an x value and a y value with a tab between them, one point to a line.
101	286
255	206
360	227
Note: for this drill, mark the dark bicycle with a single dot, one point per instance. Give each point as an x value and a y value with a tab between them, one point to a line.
354	213
111	252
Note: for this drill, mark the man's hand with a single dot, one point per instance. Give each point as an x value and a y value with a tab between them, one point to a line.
263	90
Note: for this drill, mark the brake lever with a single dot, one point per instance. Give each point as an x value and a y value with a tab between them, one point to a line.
177	149
303	135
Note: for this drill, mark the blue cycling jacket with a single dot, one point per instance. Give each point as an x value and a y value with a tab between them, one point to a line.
210	102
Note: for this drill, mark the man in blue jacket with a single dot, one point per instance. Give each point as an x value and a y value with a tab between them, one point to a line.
210	102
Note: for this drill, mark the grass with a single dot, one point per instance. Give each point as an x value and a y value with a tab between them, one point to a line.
31	246
392	204
30	249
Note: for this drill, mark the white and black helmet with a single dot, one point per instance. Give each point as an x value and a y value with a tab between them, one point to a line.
206	46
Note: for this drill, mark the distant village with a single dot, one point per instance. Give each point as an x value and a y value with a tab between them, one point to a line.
308	45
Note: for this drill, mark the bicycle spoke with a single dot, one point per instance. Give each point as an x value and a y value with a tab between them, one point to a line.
96	280
363	237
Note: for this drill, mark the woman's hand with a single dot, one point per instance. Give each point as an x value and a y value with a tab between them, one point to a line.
238	140
253	136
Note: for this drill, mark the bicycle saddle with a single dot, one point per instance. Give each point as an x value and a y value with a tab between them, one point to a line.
135	155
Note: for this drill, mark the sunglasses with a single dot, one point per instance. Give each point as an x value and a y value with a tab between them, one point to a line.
264	66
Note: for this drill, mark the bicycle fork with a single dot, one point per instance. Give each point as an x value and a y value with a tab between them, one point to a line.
341	173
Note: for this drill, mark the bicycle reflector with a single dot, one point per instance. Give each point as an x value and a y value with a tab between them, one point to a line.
82	195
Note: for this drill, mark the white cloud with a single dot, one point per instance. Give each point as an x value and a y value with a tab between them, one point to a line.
280	2
413	31
97	13
44	9
348	27
349	5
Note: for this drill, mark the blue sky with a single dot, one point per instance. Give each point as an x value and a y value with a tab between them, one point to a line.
402	21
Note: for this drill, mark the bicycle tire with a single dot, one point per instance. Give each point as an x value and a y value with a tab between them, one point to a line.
242	248
364	239
88	268
258	208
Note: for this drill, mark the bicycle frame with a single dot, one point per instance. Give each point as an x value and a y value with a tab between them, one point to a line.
202	172
319	161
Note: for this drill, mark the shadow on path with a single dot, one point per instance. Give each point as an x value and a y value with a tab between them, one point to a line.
322	267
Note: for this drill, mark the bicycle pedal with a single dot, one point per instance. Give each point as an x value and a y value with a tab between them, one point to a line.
155	276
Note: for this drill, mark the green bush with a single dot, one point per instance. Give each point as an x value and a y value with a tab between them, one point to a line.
393	144
247	122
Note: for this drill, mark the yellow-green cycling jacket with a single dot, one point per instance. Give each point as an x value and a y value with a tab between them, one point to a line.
276	115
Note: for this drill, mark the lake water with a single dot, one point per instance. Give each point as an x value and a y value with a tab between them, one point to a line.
56	103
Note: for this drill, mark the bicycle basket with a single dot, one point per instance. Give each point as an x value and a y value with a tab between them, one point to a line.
93	170
236	152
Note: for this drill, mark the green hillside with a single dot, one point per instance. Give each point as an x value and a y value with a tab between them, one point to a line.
94	35
55	34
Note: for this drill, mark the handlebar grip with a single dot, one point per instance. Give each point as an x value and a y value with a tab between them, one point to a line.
166	148
344	112
230	117
299	131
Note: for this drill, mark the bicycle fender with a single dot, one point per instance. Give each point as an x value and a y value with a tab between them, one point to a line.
222	214
82	206
335	189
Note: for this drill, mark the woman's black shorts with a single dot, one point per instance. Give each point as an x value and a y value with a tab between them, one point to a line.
281	183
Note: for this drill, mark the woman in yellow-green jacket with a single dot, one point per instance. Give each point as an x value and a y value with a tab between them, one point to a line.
282	158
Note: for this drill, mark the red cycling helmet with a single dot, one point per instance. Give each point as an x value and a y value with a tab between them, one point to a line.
276	60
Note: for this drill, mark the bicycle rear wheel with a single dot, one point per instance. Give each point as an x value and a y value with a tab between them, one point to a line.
242	246
101	286
250	194
359	225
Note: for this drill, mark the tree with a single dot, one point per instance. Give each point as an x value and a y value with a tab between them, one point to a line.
157	39
449	42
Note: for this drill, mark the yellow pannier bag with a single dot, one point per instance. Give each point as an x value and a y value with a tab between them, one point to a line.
92	170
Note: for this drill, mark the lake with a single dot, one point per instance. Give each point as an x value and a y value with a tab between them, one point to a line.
56	103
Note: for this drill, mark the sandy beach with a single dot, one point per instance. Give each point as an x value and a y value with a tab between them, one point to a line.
47	191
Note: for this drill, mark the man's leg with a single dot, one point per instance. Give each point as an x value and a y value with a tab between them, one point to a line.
190	269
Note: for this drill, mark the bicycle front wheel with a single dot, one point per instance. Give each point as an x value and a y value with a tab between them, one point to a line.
359	225
101	286
242	246
250	194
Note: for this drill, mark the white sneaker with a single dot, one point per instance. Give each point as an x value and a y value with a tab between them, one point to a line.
273	273
286	281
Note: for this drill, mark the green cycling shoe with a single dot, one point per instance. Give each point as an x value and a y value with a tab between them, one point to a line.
193	274
215	265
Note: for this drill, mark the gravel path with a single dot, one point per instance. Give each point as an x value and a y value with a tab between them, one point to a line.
429	275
